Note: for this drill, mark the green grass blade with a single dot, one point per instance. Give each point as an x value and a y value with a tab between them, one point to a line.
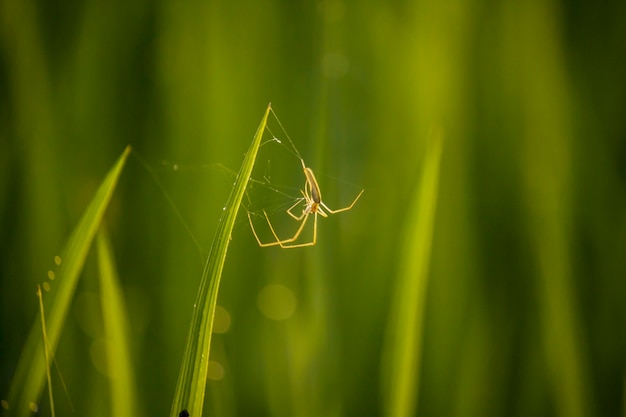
46	350
122	380
30	375
403	345
191	384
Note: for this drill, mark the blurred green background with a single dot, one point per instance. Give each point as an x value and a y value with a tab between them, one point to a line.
524	309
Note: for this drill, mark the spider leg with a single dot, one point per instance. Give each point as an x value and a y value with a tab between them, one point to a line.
301	245
290	213
295	236
261	244
305	197
312	198
302	217
331	211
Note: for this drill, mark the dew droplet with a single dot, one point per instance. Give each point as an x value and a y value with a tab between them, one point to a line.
57	260
51	275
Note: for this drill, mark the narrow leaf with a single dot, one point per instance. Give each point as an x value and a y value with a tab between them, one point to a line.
191	384
30	375
403	346
115	317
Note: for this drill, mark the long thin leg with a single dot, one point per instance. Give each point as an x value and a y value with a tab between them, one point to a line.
261	244
278	240
301	245
331	211
289	212
295	236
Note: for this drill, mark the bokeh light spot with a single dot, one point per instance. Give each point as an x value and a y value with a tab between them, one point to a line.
221	322
277	302
88	314
215	371
98	355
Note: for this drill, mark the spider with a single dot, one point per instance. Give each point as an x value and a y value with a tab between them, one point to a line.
314	205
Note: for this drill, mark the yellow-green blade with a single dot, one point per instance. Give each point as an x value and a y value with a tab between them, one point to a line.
191	384
403	345
115	318
29	377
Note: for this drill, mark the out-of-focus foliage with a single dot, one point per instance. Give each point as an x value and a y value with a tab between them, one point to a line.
523	311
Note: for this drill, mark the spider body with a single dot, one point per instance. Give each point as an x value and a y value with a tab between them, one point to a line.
314	189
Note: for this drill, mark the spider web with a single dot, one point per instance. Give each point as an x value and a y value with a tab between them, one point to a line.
262	193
